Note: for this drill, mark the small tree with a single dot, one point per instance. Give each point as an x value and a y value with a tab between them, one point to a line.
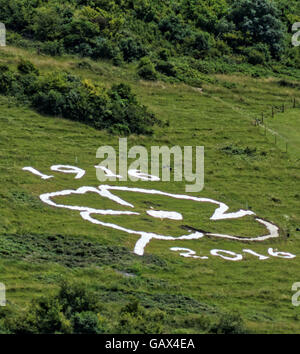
146	69
135	319
260	19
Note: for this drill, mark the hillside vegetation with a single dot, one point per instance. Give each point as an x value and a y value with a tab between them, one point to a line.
77	75
230	31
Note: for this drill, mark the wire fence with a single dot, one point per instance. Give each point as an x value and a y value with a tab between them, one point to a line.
262	123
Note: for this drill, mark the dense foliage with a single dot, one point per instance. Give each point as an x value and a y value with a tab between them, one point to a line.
63	94
129	30
74	309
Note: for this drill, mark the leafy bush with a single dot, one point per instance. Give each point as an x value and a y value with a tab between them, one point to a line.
135	319
167	68
62	94
255	57
174	28
259	18
234	150
47	23
53	48
206	14
72	310
86	323
229	323
26	67
132	49
202	41
103	48
125	110
146	69
164	54
144	10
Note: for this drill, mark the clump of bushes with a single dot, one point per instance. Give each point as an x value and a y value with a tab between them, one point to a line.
74	309
131	30
135	319
234	150
229	323
26	67
66	95
166	68
146	69
132	49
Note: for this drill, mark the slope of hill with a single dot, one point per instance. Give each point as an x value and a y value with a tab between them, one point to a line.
41	245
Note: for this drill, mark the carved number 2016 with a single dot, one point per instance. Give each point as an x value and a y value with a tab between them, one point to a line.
232	256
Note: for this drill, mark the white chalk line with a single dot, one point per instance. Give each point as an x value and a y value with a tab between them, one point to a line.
146	237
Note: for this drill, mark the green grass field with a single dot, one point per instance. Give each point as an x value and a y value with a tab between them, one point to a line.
40	245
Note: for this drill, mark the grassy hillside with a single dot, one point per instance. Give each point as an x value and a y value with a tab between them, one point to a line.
41	245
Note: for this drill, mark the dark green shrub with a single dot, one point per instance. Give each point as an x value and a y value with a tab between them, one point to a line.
53	48
51	102
103	48
26	67
144	10
3	329
258	54
255	57
132	49
79	35
202	41
166	68
174	28
8	80
84	49
118	58
16	15
260	19
43	316
85	323
223	47
205	13
237	39
65	95
119	129
146	69
72	310
235	150
28	84
135	319
47	23
164	54
229	323
4	68
84	65
130	30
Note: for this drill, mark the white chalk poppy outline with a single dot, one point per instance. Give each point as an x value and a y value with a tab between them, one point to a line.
146	237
